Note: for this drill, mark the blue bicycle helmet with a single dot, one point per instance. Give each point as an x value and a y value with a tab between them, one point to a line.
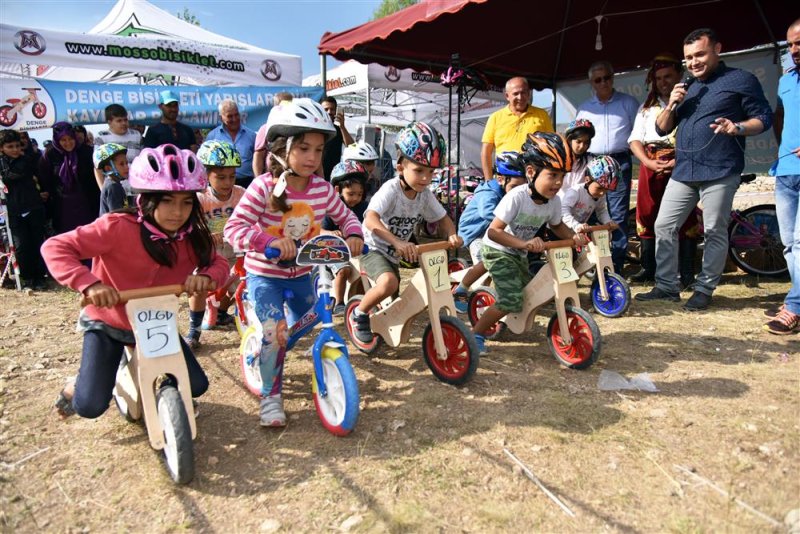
510	164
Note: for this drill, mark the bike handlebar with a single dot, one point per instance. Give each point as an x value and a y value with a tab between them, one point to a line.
142	293
558	244
272	253
431	247
600	227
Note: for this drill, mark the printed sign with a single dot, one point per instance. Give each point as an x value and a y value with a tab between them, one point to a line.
601	242
435	265
324	250
562	265
156	332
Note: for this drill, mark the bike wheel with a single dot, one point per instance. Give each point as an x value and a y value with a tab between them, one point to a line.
178	452
754	242
586	340
456	264
366	348
7	118
119	400
338	410
479	300
462	351
619	296
249	358
39	110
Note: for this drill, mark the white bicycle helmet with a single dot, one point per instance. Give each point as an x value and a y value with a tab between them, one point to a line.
361	151
299	116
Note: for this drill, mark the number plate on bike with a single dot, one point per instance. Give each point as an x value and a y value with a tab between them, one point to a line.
562	265
155	325
435	265
601	241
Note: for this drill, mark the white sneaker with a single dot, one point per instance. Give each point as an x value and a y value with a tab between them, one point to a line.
271	412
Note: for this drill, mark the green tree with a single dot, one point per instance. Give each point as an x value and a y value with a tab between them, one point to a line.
188	16
388	7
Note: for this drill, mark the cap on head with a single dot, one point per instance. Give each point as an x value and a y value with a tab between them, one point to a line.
167	97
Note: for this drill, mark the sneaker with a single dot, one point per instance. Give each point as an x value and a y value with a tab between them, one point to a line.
481	342
784	323
225	319
361	327
697	302
192	338
210	317
773	312
271	412
658	294
461	299
338	310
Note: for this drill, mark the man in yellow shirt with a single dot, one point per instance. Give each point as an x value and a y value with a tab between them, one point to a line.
507	128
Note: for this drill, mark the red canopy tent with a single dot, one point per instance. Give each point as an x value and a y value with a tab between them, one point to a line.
551	41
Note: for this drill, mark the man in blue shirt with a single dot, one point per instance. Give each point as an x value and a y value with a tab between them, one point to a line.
713	115
170	130
786	319
612	113
242	137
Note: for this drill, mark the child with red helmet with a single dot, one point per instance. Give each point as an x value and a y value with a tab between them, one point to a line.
164	240
393	213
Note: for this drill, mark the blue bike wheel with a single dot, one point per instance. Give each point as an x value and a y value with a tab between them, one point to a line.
619	296
338	411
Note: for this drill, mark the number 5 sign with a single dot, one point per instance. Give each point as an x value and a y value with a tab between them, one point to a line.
155	325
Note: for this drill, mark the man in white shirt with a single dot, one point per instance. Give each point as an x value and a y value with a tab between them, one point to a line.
656	154
118	132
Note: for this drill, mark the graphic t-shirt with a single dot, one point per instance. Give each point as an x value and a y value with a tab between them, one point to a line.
400	214
523	217
577	205
217	214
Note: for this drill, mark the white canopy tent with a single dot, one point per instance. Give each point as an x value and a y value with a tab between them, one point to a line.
137	24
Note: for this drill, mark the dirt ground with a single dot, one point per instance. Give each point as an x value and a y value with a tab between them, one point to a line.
428	457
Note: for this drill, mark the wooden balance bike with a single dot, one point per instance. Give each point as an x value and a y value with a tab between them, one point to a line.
572	334
448	346
611	294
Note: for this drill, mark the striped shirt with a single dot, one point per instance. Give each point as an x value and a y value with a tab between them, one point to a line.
253	226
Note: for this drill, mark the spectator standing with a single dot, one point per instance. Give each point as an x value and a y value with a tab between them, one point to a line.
261	146
508	128
656	154
170	130
333	148
712	115
120	133
786	320
234	132
612	113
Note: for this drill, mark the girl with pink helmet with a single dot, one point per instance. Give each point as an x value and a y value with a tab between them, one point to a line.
163	240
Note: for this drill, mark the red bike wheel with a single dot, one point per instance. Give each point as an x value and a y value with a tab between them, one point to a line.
462	351
479	300
6	117
456	264
366	348
586	339
39	110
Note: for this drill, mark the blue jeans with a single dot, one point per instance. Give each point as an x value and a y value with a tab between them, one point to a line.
269	295
98	373
787	199
619	202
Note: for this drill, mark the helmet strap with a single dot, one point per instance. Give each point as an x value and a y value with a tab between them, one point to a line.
404	184
113	172
156	234
532	186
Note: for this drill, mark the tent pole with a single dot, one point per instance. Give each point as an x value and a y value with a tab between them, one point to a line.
323	69
458	153
449	146
558	58
776	58
369	103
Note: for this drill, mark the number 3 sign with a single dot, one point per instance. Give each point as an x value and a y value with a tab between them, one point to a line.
155	325
562	265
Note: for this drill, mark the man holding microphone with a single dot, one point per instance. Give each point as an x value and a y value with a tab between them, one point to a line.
713	115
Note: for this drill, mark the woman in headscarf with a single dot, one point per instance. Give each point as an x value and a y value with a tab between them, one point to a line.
66	172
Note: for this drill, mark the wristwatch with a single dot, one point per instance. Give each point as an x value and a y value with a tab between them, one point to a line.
739	128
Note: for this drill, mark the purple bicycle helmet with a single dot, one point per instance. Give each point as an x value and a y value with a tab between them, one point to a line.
167	169
421	144
605	171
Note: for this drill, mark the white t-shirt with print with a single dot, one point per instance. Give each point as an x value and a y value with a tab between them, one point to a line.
578	205
523	217
400	214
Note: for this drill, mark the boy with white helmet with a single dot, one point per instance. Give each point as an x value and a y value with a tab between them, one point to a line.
366	155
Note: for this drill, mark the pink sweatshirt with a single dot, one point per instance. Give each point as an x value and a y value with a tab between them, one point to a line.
120	261
253	226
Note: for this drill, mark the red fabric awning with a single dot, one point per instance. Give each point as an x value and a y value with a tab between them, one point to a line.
504	38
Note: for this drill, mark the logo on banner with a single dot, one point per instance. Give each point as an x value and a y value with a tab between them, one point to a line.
392	74
29	42
271	70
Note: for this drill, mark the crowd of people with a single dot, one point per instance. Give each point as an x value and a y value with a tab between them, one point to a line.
203	213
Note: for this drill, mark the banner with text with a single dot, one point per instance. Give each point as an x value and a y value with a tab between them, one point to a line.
30	104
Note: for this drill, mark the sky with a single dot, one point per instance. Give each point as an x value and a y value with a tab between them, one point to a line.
288	26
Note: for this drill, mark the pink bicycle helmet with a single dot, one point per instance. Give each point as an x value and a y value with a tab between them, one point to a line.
167	169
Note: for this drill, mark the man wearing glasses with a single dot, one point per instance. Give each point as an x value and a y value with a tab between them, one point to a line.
508	128
612	114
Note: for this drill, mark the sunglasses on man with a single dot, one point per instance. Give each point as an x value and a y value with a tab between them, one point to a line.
605	78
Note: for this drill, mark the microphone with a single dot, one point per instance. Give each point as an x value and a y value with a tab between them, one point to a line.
687	81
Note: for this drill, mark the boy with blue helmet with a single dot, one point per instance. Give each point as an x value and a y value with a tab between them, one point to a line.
479	214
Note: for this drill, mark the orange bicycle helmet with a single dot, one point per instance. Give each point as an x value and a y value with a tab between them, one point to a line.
547	150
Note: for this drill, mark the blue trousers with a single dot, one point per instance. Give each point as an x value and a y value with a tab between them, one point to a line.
619	202
787	208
